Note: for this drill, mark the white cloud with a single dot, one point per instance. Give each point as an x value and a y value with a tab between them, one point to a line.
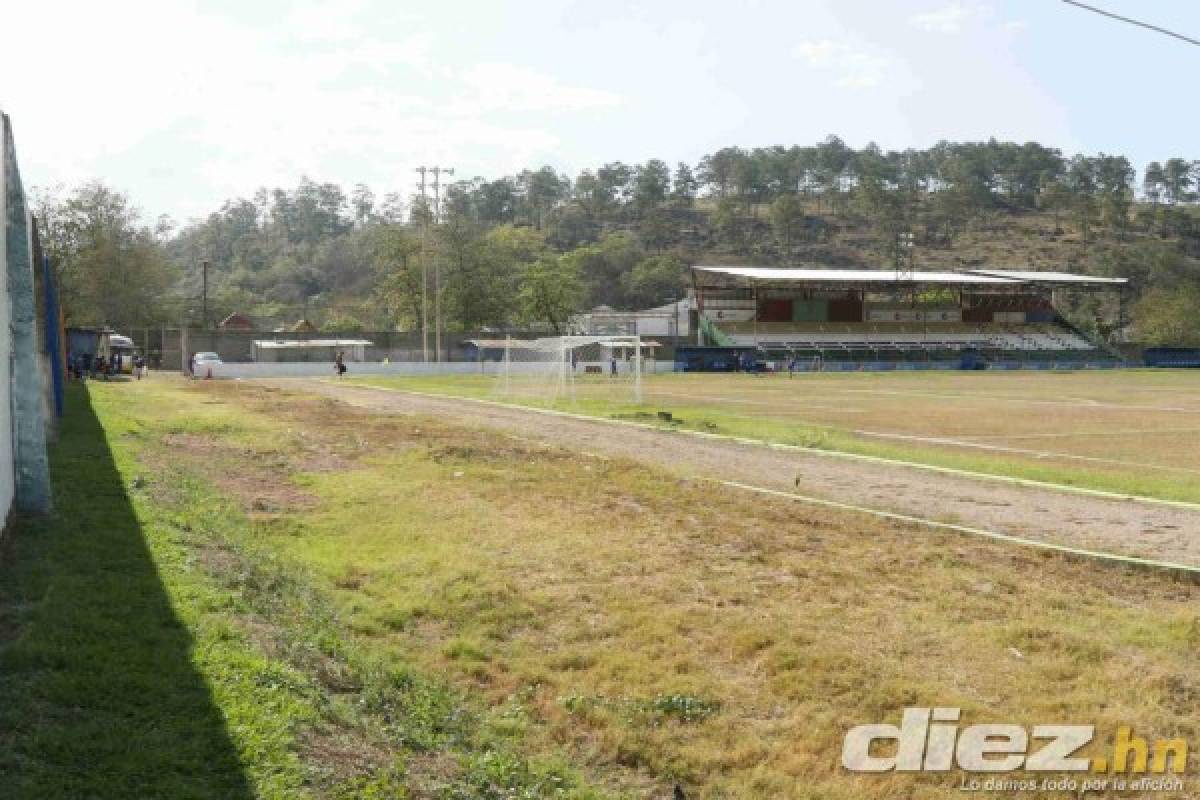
324	21
947	19
855	67
500	85
226	107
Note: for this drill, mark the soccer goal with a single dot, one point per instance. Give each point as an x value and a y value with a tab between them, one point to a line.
566	368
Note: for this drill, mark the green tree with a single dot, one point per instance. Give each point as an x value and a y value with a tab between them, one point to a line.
720	170
1167	316
362	200
487	286
730	223
1154	182
616	181
683	188
541	191
1080	184
603	268
342	322
399	279
466	295
651	183
1177	180
656	280
1114	183
787	218
657	230
551	291
110	267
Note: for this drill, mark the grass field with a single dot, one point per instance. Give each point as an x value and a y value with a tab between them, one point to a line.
1130	431
256	593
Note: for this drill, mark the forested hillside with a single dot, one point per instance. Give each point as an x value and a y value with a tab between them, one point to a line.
535	247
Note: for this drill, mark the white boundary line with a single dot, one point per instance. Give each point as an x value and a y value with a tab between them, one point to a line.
797	448
1132	561
999	448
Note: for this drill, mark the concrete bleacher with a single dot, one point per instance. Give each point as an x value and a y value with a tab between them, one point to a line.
870	335
915	341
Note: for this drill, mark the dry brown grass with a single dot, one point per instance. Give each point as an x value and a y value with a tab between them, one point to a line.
659	630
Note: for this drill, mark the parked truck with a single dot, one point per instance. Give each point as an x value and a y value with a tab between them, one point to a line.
91	343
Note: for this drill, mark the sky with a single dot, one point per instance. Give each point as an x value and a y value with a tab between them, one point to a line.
183	104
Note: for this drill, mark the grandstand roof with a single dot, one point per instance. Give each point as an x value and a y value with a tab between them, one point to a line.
856	276
1065	278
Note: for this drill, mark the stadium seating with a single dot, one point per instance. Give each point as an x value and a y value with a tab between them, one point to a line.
886	342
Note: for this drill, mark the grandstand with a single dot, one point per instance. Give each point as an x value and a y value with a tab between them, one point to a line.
882	319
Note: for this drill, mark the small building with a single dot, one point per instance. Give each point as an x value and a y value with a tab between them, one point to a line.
668	320
303	326
237	322
310	350
488	349
586	350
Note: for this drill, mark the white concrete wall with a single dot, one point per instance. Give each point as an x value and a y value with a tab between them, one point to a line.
7	479
22	392
401	368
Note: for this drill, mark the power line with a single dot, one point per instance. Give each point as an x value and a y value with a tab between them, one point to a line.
1138	23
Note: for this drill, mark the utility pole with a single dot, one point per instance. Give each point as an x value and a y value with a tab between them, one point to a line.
204	312
437	264
424	272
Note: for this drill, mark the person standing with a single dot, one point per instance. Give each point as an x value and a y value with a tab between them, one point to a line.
339	363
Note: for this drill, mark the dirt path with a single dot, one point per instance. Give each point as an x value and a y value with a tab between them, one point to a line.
1154	531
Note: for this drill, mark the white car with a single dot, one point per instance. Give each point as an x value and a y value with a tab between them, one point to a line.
205	362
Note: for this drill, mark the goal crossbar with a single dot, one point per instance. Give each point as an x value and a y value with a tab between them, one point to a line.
559	355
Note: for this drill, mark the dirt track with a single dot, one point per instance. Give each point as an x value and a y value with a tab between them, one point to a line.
1154	531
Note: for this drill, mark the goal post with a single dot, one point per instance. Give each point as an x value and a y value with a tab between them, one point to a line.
557	369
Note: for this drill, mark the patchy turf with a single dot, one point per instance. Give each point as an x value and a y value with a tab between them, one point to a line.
150	648
1128	431
452	613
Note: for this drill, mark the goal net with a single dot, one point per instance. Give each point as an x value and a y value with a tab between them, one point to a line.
558	369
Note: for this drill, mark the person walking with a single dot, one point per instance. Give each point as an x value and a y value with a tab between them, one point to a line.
339	363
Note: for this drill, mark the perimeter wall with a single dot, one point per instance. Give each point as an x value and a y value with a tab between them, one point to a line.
26	398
